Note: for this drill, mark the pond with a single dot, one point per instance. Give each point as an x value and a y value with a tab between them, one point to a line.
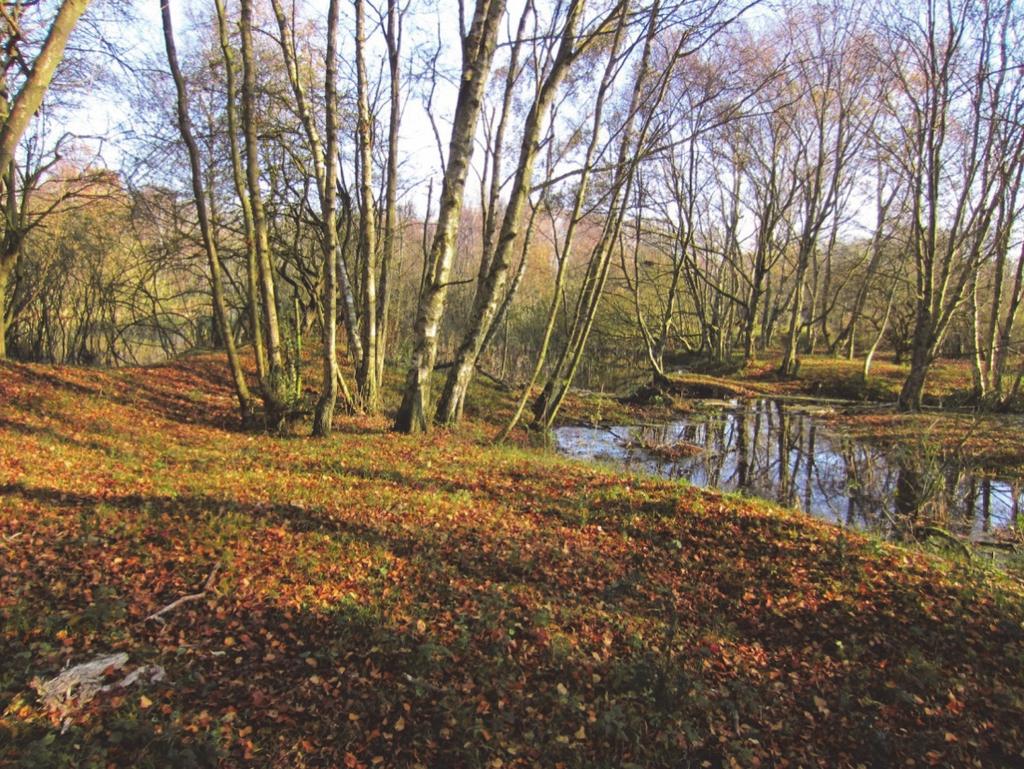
785	453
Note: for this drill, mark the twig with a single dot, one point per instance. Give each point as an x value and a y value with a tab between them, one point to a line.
207	586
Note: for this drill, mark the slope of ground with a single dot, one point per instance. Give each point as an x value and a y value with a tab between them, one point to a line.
382	600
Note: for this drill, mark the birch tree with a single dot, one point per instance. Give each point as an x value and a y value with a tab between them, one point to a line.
496	266
205	227
478	43
941	57
275	385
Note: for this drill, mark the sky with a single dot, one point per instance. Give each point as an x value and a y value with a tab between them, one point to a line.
106	111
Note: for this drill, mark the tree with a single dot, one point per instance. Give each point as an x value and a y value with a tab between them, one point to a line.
496	265
478	45
275	385
563	251
368	371
17	112
322	421
941	58
829	128
205	228
325	171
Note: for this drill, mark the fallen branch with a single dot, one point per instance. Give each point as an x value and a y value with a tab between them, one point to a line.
207	586
501	384
994	543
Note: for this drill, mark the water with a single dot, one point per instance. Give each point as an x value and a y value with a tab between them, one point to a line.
784	453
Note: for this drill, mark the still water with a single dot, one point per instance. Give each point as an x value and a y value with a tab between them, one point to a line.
786	454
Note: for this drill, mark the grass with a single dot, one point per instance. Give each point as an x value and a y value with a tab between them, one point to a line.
384	600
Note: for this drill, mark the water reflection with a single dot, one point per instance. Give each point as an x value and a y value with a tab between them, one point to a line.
779	452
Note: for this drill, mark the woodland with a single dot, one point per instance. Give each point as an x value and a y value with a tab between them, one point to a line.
409	383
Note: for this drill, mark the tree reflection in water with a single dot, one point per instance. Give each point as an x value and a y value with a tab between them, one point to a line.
781	452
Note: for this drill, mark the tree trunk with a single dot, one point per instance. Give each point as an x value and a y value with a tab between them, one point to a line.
1006	332
238	178
788	366
912	392
367	373
759	299
275	386
628	157
489	296
323	418
982	348
30	97
222	325
393	37
6	268
478	53
573	221
866	371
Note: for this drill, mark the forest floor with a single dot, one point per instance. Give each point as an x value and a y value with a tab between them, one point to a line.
384	600
986	442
